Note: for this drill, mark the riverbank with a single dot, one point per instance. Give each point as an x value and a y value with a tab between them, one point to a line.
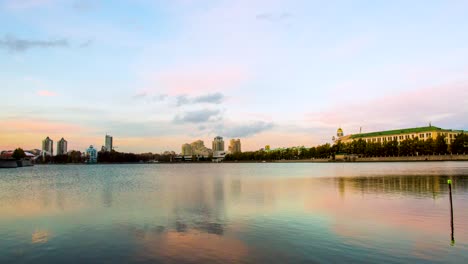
11	163
8	164
421	158
354	159
447	157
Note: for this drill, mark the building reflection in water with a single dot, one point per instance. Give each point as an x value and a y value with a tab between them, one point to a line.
402	218
198	216
40	236
191	246
215	214
201	209
405	185
107	194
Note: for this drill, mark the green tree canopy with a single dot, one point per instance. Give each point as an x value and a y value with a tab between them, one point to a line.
460	144
441	146
18	154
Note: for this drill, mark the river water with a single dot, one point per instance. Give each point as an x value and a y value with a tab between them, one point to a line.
234	213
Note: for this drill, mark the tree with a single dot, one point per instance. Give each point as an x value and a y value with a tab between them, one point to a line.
75	157
419	147
62	158
18	154
460	144
391	148
405	147
441	146
373	149
429	146
324	151
361	146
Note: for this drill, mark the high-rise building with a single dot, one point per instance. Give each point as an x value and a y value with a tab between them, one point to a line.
91	155
108	143
218	149
199	149
234	146
48	146
187	150
197	144
62	147
218	144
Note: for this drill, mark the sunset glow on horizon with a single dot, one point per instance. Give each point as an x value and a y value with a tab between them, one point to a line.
158	74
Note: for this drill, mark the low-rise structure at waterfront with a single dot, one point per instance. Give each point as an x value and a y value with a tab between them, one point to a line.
35	152
8	157
91	155
421	133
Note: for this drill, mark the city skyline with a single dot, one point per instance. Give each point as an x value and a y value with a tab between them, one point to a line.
278	73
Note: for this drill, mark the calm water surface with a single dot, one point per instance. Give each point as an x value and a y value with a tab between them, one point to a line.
234	213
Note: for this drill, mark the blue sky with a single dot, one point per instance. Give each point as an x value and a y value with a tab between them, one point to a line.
156	74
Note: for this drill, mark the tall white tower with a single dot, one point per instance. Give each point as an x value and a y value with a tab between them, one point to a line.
108	143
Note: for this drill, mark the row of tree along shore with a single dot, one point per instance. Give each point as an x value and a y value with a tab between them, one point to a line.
408	147
361	148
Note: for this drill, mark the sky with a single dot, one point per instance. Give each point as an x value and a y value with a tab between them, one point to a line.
156	74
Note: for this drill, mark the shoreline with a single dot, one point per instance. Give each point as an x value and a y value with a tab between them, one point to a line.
425	158
361	160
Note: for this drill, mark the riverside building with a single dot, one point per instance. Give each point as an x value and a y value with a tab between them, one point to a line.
62	147
48	146
421	133
218	144
234	146
199	149
218	149
108	143
91	155
187	150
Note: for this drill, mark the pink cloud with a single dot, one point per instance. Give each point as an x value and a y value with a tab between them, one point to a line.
439	105
46	93
39	126
196	79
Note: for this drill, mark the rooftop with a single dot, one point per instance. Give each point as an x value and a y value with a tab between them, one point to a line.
9	154
404	131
